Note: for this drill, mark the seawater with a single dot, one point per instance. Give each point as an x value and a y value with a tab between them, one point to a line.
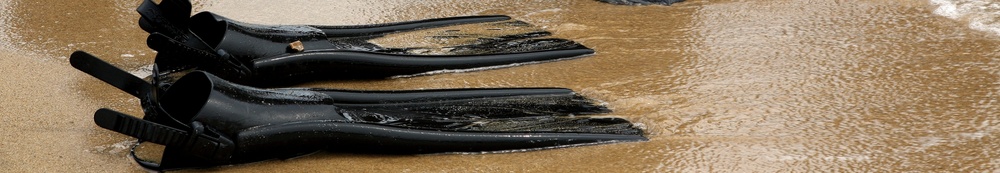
983	15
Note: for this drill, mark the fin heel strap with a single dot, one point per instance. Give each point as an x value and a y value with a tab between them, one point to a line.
169	16
110	74
198	143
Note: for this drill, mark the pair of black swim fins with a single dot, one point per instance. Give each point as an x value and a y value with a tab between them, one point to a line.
201	106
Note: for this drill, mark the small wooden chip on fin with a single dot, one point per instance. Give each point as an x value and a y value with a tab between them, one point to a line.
296	46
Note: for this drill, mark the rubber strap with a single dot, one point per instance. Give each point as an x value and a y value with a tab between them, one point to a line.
170	16
195	141
110	74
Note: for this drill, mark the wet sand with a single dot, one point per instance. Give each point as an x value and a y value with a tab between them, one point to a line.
722	86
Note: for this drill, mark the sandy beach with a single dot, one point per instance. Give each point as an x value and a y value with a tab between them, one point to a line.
721	86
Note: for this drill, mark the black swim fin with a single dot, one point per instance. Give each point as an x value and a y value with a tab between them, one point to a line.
205	121
248	53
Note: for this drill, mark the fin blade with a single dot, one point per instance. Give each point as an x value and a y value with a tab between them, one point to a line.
483	123
492	106
474	38
376	29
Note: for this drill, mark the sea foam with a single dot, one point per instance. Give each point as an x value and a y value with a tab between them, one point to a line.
983	15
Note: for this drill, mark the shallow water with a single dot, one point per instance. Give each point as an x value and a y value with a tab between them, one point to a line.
983	15
721	86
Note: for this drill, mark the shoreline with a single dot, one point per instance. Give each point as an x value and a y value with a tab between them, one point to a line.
761	86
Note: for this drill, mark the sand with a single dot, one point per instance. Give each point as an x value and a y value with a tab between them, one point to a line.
722	86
